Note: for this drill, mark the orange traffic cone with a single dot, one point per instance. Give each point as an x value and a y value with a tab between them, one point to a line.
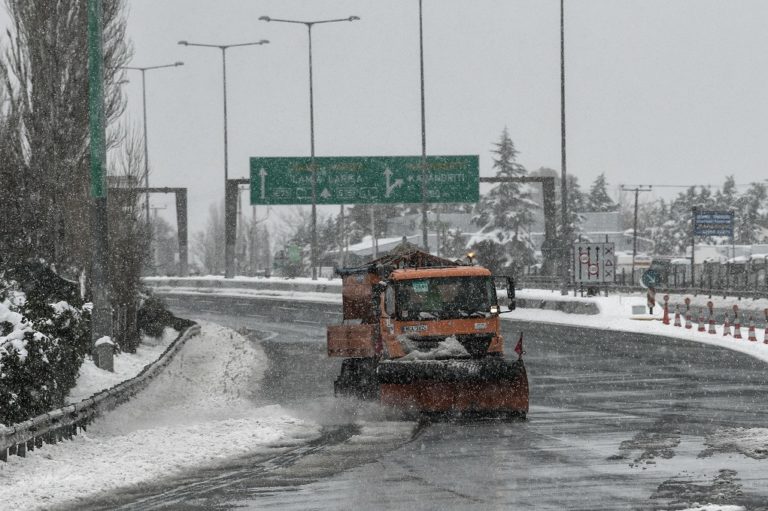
702	328
726	326
712	323
688	323
737	328
751	332
765	335
677	316
665	319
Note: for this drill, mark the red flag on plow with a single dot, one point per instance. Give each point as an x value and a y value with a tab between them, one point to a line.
519	347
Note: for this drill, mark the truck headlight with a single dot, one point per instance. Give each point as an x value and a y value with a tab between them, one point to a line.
494	309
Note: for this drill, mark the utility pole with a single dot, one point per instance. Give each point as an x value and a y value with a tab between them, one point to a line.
565	231
101	324
637	190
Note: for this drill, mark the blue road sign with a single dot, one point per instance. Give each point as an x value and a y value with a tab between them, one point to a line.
713	223
650	278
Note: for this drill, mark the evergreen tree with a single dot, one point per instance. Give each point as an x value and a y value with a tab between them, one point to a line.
357	219
598	199
504	214
752	215
674	224
727	197
453	244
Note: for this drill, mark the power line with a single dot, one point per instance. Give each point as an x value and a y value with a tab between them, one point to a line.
690	185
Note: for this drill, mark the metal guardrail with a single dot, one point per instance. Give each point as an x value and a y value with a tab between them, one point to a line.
63	423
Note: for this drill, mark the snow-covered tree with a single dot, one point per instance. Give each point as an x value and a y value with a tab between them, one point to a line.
45	75
727	197
504	214
453	244
357	219
208	244
752	215
598	198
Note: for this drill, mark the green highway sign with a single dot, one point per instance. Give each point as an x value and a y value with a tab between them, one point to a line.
364	179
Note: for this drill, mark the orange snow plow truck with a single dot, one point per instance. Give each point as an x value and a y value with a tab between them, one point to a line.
422	333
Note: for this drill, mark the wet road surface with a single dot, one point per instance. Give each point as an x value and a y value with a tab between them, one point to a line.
617	421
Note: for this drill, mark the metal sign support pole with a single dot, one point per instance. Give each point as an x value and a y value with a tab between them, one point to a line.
693	246
101	325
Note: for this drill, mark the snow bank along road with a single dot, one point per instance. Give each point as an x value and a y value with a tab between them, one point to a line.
199	411
618	421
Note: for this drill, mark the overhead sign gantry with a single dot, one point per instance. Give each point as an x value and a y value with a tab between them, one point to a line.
364	180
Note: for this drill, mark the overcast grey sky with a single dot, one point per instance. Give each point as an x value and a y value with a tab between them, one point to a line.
658	91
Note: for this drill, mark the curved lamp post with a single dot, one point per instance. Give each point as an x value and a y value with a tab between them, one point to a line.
228	248
309	25
144	107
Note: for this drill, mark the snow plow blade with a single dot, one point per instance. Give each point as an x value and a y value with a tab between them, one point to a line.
486	386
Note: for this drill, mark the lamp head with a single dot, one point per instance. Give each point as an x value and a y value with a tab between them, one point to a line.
184	43
265	18
264	41
354	18
178	63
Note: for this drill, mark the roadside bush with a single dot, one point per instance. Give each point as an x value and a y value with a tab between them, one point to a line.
153	316
42	347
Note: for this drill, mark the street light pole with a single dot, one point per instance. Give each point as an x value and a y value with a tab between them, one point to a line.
565	233
144	108
309	25
424	219
146	149
229	230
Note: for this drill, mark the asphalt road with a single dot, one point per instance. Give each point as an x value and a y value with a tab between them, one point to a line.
617	421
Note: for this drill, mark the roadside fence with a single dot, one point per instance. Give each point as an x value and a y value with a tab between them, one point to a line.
714	280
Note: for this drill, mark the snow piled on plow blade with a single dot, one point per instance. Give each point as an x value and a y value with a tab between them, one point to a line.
489	385
451	370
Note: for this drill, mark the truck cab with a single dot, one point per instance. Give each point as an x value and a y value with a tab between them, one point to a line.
422	307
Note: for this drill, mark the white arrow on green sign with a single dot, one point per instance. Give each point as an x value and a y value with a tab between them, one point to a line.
364	179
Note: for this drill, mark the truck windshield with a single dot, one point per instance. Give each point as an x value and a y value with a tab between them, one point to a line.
445	298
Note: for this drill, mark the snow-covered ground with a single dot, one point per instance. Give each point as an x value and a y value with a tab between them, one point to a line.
616	314
202	409
199	410
91	379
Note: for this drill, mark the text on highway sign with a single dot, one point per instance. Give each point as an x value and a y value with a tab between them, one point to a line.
364	179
